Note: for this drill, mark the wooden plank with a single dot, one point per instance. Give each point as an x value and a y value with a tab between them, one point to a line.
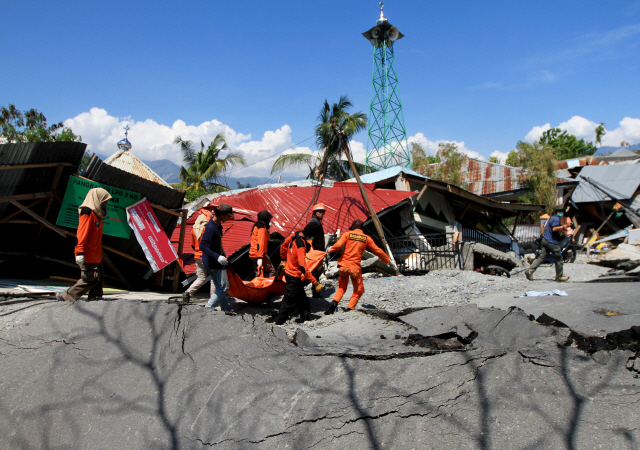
113	267
25	222
113	250
46	213
13	214
21	197
422	191
176	272
38	218
34	166
161	208
464	211
65	263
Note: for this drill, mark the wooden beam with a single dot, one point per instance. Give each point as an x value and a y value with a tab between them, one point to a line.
13	214
465	211
422	191
113	250
176	272
25	222
515	223
161	208
46	258
21	197
113	267
35	166
56	178
46	213
38	218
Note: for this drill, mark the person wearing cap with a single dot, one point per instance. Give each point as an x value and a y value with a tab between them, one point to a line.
296	274
92	211
551	244
259	243
355	242
197	232
213	256
316	231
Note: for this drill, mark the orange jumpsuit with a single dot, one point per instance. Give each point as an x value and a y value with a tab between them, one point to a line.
259	245
89	237
355	243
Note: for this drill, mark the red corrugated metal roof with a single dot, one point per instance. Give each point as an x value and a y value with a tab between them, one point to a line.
290	206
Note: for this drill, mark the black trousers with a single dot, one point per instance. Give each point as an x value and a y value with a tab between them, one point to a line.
294	298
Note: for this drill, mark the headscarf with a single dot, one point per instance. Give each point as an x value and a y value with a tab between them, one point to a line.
201	222
94	199
265	217
356	225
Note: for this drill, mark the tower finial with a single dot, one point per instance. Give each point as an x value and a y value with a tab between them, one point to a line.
126	130
382	18
124	144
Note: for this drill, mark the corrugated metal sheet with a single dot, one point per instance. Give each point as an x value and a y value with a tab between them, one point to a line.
387	174
290	206
127	161
485	178
623	178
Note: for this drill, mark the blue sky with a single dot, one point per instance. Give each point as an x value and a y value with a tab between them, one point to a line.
484	74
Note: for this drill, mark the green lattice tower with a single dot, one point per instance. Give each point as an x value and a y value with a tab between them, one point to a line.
387	140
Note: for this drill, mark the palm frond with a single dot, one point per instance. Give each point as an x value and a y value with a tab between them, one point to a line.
292	160
188	152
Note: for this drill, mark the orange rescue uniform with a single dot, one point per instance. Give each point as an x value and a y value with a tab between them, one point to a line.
89	237
259	241
355	243
296	265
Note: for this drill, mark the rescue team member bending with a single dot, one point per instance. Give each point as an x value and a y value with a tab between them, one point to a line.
551	244
355	243
259	243
295	275
213	257
201	270
93	211
316	231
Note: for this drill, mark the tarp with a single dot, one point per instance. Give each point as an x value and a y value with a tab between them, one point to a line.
260	289
150	235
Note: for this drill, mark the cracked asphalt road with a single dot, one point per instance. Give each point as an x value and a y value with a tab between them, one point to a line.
126	374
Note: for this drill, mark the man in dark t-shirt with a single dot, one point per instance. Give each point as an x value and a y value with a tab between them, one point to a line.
551	244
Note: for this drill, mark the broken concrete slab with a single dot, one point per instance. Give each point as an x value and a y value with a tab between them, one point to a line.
485	255
622	253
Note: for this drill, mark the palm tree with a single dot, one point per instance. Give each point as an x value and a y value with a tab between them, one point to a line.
205	169
328	162
600	131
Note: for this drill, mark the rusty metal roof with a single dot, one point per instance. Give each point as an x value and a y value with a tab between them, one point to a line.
291	209
127	161
484	177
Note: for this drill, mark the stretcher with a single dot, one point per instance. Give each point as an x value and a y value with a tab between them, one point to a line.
261	289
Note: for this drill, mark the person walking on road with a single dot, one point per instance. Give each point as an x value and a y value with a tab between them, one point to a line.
92	211
296	274
551	244
201	270
355	242
259	243
213	256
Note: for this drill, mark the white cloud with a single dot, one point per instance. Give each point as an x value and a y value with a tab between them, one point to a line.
502	156
151	140
629	131
431	147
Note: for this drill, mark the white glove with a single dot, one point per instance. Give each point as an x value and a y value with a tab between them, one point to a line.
259	262
80	260
222	260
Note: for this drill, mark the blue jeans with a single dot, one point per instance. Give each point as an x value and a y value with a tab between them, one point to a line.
219	297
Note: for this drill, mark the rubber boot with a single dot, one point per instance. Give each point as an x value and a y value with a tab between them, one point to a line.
281	319
529	274
331	309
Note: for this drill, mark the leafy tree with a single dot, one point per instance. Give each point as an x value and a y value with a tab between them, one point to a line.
539	161
192	194
328	162
419	158
242	186
31	126
513	159
600	131
205	168
494	159
449	170
566	145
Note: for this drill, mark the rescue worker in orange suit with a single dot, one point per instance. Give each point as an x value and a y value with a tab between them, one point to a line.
296	274
92	211
355	242
201	271
316	231
259	243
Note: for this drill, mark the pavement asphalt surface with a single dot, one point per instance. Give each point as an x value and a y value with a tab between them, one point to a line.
125	374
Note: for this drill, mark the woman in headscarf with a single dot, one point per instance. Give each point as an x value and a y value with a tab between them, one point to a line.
93	211
201	271
259	243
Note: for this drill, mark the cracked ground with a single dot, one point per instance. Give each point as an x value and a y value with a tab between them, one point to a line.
126	374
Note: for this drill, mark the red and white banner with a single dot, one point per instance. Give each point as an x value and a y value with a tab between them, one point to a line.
150	235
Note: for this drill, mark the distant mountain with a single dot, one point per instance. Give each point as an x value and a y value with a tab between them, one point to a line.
602	151
167	170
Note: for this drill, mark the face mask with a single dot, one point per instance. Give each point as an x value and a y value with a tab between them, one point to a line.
560	214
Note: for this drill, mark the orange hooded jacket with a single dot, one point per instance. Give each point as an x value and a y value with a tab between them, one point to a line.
296	265
355	243
89	237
